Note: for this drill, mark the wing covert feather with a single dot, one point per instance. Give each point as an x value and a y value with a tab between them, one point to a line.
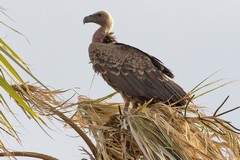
133	72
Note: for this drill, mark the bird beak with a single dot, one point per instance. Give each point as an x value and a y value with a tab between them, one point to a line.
87	19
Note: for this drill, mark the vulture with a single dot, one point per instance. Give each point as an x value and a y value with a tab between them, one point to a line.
136	75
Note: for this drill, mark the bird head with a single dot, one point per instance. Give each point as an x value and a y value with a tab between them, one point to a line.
102	18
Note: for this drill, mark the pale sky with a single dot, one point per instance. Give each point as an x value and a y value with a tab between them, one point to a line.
193	38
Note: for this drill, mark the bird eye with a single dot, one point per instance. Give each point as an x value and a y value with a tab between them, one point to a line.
99	15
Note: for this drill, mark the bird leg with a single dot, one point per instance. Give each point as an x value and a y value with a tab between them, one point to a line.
123	132
126	106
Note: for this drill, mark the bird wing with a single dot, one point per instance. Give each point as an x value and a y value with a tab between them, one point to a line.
134	73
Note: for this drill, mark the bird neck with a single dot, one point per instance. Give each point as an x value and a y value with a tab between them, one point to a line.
100	34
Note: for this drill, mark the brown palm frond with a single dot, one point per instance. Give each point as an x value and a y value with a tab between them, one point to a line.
149	132
157	132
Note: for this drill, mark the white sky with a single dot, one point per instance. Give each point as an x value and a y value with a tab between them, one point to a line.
192	38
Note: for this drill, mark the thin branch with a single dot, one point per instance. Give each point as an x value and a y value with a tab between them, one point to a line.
220	106
229	123
28	154
64	118
218	115
212	128
76	128
88	153
230	129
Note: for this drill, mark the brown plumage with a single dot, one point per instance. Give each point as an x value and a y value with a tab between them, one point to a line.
136	75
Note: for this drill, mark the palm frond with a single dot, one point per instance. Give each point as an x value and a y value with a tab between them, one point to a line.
158	132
